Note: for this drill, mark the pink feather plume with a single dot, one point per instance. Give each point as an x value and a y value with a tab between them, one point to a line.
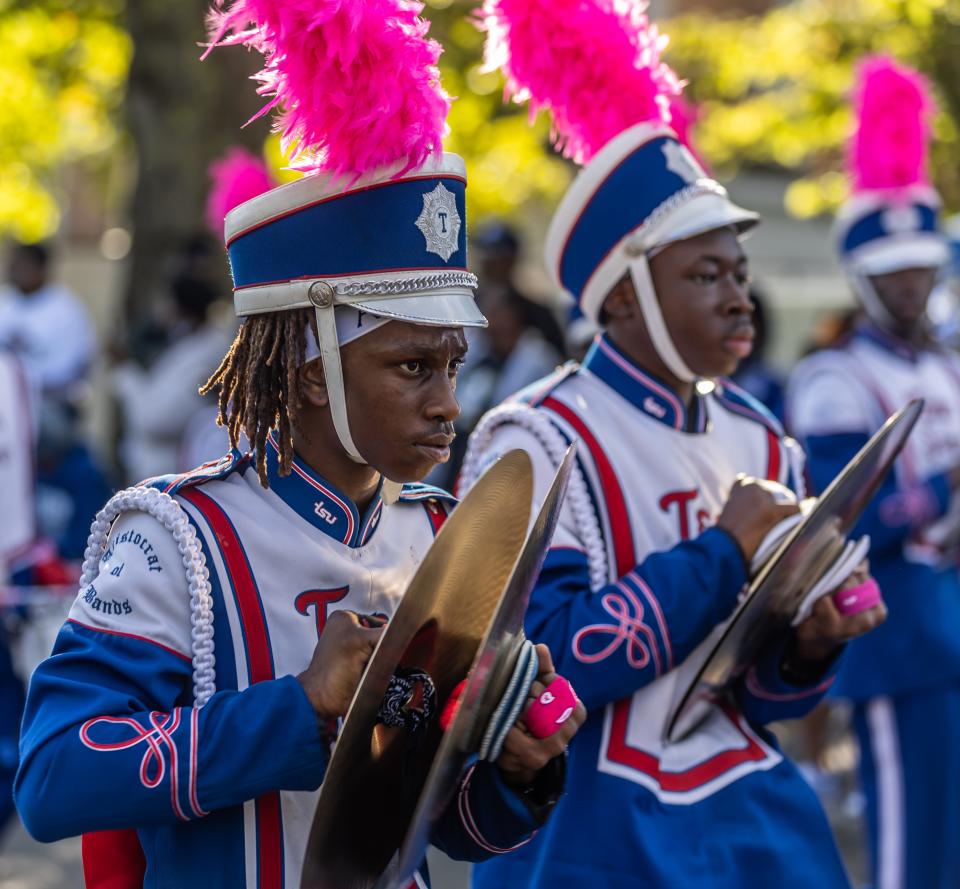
237	177
893	109
593	64
355	81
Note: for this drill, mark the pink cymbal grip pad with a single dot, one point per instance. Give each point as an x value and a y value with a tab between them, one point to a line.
857	598
552	709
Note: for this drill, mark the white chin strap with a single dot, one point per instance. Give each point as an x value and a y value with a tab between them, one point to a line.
323	297
656	326
867	296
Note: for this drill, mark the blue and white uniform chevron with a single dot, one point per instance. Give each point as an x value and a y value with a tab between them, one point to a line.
654	475
224	795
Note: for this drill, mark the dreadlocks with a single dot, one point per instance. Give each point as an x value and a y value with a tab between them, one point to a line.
259	384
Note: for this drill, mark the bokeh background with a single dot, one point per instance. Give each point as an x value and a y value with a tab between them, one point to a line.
109	120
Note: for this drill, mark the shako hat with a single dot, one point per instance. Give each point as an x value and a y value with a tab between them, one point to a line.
595	65
890	222
376	228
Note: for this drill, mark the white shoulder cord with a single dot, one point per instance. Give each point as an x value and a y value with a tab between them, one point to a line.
539	425
170	514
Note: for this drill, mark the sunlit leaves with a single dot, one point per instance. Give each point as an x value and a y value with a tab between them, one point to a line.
510	165
775	88
62	72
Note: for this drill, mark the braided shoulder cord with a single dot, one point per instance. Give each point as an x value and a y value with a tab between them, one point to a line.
540	426
170	514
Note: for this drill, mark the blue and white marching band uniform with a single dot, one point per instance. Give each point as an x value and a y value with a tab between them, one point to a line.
903	678
637	579
224	795
174	709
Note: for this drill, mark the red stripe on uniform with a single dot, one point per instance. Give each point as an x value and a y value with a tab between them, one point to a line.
678	782
436	513
245	590
113	859
269	831
773	456
624	552
619	749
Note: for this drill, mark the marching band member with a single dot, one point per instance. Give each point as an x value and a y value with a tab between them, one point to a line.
201	717
904	680
659	526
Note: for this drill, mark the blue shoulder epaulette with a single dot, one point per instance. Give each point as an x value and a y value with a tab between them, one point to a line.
235	461
743	403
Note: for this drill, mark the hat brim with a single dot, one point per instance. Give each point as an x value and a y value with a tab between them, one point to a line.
703	213
449	308
895	255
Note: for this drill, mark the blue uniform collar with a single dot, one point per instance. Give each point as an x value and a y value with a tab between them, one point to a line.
642	389
320	503
885	340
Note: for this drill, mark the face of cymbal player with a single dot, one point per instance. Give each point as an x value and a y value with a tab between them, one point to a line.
702	285
400	383
904	294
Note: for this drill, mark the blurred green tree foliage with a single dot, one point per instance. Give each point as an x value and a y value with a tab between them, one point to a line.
62	73
510	163
774	89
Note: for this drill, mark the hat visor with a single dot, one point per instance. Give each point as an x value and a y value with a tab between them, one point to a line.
884	257
447	308
701	214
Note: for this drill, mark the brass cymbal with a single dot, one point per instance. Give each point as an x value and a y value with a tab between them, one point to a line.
489	675
376	772
772	598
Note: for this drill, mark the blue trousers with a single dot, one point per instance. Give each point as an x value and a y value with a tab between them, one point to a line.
910	774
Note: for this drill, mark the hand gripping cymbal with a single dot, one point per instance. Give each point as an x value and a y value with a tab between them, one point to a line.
449	624
773	596
489	676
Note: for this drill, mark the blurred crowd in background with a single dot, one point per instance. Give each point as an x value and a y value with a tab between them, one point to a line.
115	300
149	386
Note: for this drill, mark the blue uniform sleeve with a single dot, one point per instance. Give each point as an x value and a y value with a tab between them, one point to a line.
109	739
896	512
614	641
487	817
765	695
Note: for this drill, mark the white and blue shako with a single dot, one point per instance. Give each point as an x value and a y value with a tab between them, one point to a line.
641	192
389	245
878	232
884	231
